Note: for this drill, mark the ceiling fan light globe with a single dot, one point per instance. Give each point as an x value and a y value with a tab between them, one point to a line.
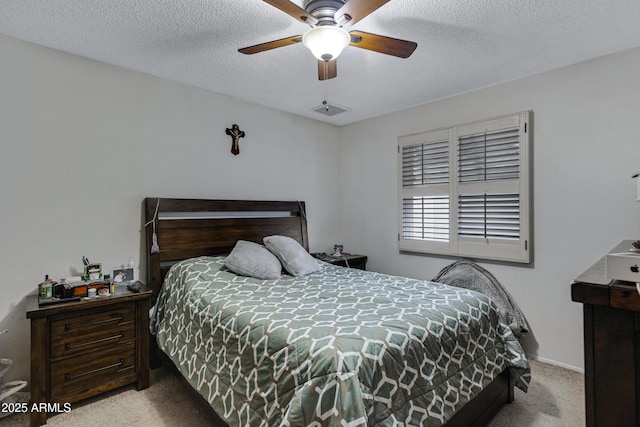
326	42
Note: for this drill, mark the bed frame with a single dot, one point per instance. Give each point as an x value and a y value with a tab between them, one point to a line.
187	228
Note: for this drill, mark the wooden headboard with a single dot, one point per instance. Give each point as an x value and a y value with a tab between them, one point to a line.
187	228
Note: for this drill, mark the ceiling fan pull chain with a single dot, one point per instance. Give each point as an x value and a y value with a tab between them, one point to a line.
326	71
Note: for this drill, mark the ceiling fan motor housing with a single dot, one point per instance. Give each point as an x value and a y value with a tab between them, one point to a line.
323	10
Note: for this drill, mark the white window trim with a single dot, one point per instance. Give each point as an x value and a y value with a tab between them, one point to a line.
511	250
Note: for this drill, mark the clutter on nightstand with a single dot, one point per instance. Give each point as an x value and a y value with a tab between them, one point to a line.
92	283
92	271
125	273
66	291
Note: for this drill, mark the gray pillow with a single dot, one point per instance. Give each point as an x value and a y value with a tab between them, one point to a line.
253	260
294	258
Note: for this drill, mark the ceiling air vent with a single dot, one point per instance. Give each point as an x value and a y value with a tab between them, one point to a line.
329	109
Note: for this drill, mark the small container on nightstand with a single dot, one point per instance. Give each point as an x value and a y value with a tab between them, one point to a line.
83	348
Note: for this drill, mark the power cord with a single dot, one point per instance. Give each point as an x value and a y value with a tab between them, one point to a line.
154	238
346	261
302	211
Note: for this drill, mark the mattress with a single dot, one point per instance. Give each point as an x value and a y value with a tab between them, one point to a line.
337	347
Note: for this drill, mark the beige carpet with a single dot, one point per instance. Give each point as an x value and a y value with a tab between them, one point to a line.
555	398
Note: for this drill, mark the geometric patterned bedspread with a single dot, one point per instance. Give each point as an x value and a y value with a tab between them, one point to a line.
339	347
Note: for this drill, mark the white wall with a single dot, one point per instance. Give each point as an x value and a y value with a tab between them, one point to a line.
586	146
82	143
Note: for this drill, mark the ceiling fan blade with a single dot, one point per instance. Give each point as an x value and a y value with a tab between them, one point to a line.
382	44
270	45
327	70
293	10
355	10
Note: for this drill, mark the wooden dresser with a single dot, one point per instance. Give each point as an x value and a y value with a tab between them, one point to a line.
84	348
611	346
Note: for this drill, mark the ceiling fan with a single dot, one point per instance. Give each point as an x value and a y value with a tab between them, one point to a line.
327	38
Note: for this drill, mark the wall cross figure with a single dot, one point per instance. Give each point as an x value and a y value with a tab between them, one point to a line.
235	133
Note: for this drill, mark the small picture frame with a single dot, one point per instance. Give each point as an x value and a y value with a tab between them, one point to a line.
122	275
93	271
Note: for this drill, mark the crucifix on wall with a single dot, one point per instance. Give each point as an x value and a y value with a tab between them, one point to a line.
235	133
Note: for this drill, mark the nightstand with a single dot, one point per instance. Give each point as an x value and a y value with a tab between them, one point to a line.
346	260
83	348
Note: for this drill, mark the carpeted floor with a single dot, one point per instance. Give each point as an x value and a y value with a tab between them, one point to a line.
555	398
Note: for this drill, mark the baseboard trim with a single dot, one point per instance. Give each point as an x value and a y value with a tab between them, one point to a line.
555	363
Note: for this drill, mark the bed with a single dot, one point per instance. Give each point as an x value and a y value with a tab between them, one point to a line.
337	346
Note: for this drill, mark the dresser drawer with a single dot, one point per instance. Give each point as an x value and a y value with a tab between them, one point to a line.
74	376
110	318
74	344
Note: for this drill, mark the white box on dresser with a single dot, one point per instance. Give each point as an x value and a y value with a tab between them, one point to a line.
623	266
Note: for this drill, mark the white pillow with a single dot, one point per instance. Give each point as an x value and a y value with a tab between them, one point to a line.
294	258
253	260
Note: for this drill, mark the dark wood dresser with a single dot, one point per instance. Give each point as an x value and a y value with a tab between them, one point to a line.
611	346
84	348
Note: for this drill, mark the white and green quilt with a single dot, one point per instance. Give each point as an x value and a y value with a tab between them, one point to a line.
339	347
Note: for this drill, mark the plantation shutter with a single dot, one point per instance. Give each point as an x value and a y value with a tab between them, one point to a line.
469	192
489	156
492	188
489	216
424	165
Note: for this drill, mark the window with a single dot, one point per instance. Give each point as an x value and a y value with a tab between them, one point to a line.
464	190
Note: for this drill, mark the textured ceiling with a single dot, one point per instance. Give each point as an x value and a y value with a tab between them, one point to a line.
462	45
